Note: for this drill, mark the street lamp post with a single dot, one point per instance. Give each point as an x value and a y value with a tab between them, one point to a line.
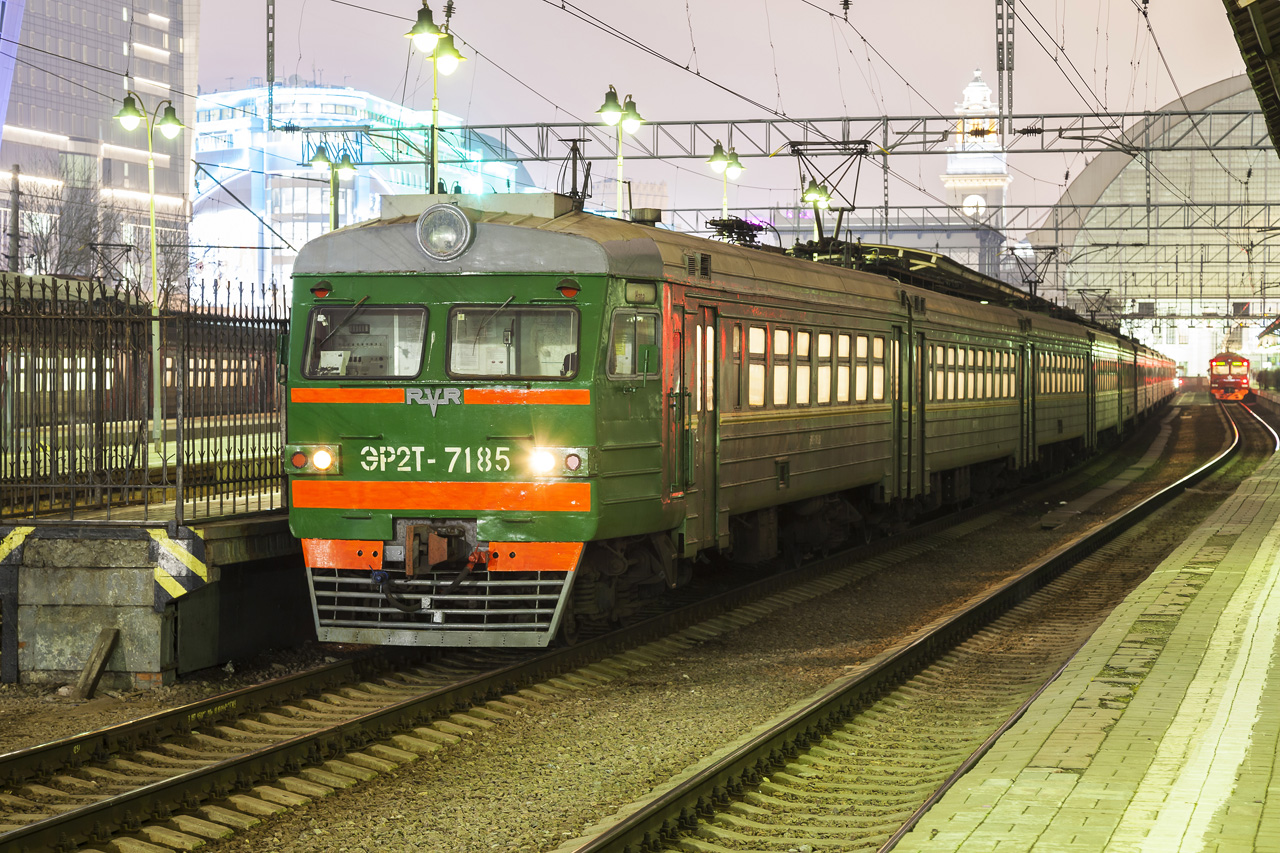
343	168
623	116
437	43
130	116
727	165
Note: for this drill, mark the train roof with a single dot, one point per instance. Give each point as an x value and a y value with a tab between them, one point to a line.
546	233
1228	356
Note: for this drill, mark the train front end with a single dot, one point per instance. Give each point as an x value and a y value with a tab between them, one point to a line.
1229	377
441	430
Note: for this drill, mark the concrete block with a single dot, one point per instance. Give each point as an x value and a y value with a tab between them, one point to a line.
74	584
61	638
89	553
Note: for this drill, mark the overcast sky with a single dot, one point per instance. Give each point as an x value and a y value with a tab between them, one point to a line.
533	61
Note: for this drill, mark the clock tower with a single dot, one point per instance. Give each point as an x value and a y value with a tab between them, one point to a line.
977	177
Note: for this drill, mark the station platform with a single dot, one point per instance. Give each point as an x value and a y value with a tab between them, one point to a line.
1163	733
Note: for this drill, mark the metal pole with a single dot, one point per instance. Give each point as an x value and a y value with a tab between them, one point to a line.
333	197
619	169
157	413
15	207
724	201
435	121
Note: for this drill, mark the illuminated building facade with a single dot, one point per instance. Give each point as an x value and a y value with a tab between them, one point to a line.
258	199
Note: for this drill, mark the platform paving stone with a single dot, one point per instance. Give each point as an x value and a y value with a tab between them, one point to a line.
1163	734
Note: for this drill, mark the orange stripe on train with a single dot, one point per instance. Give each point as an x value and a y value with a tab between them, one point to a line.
346	395
516	396
475	396
423	496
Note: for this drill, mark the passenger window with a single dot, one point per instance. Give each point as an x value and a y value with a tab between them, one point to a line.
824	368
633	345
960	359
781	367
951	373
877	368
843	354
756	366
969	377
860	370
803	368
939	373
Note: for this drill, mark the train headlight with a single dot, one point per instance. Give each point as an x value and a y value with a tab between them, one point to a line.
313	459
542	461
560	462
444	232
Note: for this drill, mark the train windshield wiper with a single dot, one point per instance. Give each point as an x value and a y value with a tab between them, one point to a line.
355	309
499	310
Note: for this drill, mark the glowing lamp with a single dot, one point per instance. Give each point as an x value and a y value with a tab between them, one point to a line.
129	116
446	56
169	124
631	120
733	167
718	161
611	111
425	33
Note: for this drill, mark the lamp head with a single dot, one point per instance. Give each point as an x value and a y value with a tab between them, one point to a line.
425	33
631	120
169	123
611	111
129	116
346	166
811	192
446	56
718	159
321	159
733	166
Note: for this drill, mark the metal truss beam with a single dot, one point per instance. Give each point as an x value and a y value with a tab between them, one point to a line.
1065	133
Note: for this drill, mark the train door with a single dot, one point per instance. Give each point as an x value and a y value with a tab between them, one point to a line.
1028	373
698	427
908	412
673	460
1091	398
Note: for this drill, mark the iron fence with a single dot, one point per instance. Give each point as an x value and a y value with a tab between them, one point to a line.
87	434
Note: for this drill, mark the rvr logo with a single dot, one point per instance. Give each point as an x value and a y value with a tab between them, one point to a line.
433	397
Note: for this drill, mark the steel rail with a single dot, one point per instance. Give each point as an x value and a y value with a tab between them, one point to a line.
677	809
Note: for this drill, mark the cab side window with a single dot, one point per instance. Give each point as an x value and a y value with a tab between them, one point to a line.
634	350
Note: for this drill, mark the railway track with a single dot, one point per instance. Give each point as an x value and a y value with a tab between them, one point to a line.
202	768
855	766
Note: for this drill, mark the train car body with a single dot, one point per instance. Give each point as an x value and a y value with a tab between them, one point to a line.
1229	377
532	415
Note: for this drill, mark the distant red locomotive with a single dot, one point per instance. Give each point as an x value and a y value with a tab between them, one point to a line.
1229	377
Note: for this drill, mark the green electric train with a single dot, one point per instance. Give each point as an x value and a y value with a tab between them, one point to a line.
509	419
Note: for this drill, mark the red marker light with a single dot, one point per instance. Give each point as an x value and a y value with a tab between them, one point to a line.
321	290
299	460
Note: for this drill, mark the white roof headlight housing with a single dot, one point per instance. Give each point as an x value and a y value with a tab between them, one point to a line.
444	232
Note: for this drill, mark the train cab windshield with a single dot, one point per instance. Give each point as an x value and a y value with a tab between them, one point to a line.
360	341
1230	368
505	342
